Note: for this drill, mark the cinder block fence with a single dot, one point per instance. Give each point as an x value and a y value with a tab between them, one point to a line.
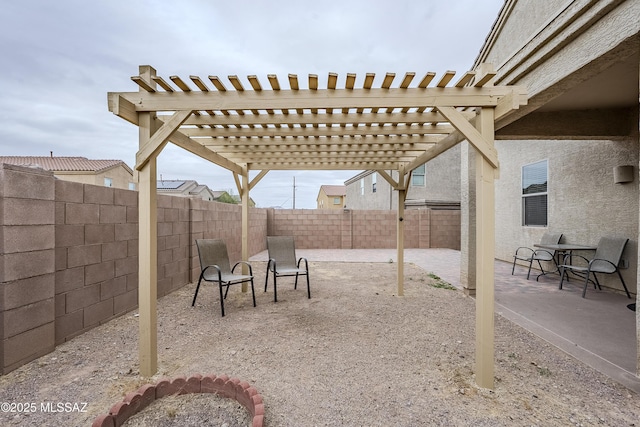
69	251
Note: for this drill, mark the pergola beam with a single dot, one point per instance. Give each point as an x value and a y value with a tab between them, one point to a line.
317	99
272	132
305	119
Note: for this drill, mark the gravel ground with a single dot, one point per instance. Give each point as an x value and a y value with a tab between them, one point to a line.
354	354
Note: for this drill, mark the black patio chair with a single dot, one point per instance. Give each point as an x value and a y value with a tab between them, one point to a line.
283	262
605	261
215	267
529	255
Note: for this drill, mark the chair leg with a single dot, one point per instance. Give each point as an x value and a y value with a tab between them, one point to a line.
295	284
586	283
308	287
513	268
275	287
541	269
529	272
623	284
221	298
562	274
197	288
253	293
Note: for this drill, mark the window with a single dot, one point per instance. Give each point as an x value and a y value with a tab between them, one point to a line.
132	186
362	187
417	177
534	194
108	182
336	200
373	182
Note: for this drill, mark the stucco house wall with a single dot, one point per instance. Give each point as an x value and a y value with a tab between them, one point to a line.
442	185
584	203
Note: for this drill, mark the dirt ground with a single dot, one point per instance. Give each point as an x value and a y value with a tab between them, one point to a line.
354	354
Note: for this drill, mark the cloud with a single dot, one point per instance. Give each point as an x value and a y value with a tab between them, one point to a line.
61	58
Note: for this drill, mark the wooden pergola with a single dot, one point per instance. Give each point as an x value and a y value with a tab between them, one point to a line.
383	127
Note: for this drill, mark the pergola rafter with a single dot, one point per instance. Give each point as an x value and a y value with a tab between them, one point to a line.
245	127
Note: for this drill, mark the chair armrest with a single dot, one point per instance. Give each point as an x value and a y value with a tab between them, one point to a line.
524	248
306	264
536	252
245	263
271	264
570	257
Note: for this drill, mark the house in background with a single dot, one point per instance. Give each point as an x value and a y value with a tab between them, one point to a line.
434	185
107	173
332	197
185	188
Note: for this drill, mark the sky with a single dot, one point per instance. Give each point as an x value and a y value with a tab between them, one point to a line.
60	58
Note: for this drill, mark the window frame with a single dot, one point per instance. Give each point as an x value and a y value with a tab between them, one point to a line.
526	219
422	173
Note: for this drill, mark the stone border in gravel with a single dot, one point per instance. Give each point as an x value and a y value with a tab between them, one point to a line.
222	385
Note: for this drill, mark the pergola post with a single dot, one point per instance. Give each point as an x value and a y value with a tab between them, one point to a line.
402	195
245	222
485	250
147	247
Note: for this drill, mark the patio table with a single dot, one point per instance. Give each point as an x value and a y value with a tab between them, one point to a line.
563	249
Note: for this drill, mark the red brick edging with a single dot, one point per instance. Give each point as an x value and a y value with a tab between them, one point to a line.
222	385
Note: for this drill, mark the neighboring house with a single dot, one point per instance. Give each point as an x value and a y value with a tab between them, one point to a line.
185	188
107	173
434	185
331	197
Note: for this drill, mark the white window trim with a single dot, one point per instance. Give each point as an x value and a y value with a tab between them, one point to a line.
524	196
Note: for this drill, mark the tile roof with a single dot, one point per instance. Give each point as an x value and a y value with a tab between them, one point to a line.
334	190
76	164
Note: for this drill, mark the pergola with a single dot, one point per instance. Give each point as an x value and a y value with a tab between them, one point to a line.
383	127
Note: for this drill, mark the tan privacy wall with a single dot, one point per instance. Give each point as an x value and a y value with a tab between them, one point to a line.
69	251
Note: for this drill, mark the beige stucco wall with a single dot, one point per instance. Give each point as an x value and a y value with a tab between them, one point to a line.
550	51
525	19
583	201
326	202
120	176
442	183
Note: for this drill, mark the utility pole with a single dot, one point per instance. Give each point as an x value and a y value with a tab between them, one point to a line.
294	192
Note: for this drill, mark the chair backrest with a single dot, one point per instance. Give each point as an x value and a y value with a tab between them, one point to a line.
213	252
610	249
282	249
551	238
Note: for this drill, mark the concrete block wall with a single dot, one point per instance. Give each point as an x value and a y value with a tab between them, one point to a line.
445	229
27	265
96	256
311	228
365	229
174	243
